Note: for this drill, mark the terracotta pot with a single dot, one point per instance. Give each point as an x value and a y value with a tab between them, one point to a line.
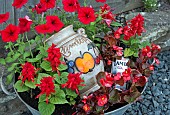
80	54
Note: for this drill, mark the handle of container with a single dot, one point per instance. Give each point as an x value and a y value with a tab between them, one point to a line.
82	32
2	84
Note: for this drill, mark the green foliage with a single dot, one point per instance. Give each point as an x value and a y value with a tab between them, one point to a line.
62	78
40	76
58	98
30	84
46	66
62	67
150	5
21	87
46	109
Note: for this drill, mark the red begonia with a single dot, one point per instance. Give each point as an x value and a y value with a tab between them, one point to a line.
102	100
127	74
108	80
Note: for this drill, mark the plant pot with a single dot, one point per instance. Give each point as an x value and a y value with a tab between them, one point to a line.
81	53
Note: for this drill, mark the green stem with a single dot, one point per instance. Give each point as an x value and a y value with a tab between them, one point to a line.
29	45
10	47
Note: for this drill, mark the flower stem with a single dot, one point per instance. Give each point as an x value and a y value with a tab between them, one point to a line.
29	45
10	47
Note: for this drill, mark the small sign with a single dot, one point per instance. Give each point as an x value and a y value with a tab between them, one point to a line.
119	65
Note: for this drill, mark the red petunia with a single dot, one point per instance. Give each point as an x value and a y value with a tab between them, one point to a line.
102	100
10	33
39	8
48	3
54	56
44	29
70	5
46	86
86	15
4	17
100	0
28	72
127	74
74	80
108	82
54	22
24	24
19	3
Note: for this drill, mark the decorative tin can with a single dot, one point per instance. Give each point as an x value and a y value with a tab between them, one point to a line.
80	54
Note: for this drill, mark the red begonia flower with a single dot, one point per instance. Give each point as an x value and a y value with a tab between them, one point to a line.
102	100
39	8
127	74
118	50
54	56
10	33
86	108
140	81
108	81
118	32
44	29
156	60
146	51
54	22
100	0
48	3
105	8
86	15
4	17
117	76
19	3
74	80
24	24
109	16
151	67
28	72
46	86
70	5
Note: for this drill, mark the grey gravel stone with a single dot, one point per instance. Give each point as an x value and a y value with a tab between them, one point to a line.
155	103
158	112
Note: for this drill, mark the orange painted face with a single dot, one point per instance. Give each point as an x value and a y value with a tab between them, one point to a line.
85	63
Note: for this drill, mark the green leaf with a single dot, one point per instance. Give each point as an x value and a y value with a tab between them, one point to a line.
62	78
26	54
144	44
16	56
11	68
21	48
58	98
40	76
37	38
128	52
46	65
9	59
39	56
62	67
135	54
46	109
9	78
71	93
134	41
42	98
30	84
126	42
32	59
2	61
43	51
116	24
20	86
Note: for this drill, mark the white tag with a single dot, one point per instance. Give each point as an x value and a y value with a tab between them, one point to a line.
119	65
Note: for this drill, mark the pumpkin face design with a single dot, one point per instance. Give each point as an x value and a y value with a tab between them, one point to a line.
85	63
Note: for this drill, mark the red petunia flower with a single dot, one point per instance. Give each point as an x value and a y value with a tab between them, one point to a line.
24	24
127	74
70	5
54	56
44	29
28	72
39	8
102	100
10	33
19	3
74	80
108	82
109	16
146	51
4	17
48	3
46	86
100	0
86	108
54	22
86	15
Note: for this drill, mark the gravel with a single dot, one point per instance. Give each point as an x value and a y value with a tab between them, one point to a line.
156	98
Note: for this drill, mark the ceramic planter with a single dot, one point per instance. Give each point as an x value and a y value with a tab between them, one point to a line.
80	54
